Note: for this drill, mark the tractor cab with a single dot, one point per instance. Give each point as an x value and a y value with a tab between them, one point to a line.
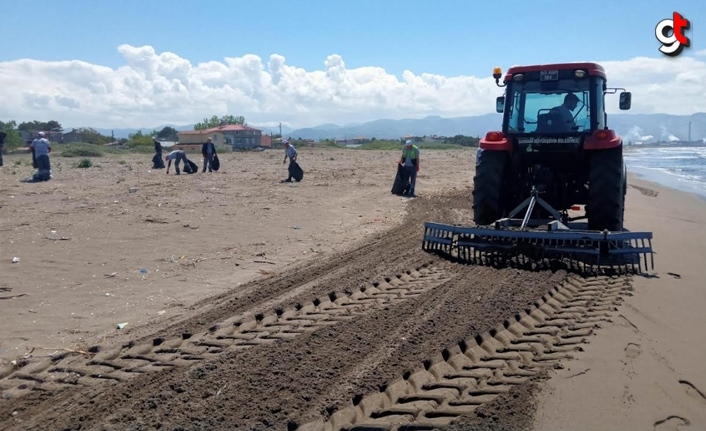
554	107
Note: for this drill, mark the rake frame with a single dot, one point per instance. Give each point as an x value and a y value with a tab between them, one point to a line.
523	242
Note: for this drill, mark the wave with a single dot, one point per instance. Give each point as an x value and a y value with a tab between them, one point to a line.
682	168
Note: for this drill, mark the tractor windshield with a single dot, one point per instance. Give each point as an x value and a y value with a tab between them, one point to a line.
560	106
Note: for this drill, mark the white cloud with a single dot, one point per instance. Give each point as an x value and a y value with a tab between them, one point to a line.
700	53
152	88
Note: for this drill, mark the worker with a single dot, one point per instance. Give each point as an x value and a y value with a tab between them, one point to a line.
157	147
208	151
2	144
157	158
564	114
410	162
41	147
177	156
291	152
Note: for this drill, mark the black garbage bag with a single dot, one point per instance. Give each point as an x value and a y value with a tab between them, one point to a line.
296	171
190	167
215	164
157	162
400	186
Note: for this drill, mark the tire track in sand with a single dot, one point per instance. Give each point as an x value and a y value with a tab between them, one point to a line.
236	320
238	332
464	377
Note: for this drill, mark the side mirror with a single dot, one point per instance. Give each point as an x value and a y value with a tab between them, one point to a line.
500	104
625	100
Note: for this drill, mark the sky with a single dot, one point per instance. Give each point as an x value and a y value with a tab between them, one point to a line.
103	64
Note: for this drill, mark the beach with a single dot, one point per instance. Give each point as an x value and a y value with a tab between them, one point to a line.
309	306
644	370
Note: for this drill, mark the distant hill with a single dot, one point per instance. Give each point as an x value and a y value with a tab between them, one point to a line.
633	127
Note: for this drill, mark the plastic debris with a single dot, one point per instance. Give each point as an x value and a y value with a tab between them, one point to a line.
15	260
122	325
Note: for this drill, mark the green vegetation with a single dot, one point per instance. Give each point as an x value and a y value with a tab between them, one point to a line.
48	126
13	138
84	164
91	136
93	144
451	143
216	121
81	149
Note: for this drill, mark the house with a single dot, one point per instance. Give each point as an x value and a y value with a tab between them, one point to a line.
73	136
187	148
236	136
266	141
53	137
437	138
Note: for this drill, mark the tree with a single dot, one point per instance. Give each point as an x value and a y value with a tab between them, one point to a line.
138	138
216	121
53	126
13	138
167	134
91	136
49	126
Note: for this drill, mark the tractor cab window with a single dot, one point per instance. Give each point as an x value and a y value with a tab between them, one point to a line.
550	107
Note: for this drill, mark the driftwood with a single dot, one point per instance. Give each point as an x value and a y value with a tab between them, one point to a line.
80	352
63	238
14	296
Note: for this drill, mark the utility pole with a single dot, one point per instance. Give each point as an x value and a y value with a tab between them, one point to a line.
280	130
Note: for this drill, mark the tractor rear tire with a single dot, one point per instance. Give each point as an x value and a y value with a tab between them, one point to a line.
605	208
488	200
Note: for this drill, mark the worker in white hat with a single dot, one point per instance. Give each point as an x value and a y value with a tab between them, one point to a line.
41	147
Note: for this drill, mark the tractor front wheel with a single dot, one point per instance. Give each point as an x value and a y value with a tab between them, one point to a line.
606	190
488	200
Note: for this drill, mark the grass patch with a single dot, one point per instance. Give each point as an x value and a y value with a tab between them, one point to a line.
84	164
82	150
137	148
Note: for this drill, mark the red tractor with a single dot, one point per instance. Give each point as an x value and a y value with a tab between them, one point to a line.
555	152
555	138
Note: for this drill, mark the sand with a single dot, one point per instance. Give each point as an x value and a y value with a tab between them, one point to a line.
645	370
290	306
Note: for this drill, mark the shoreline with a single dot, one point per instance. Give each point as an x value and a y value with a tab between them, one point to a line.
670	182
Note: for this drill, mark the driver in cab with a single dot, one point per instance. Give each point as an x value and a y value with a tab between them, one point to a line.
563	113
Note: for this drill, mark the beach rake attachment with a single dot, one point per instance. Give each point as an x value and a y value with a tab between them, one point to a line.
531	248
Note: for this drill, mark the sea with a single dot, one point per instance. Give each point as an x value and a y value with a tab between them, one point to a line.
677	167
